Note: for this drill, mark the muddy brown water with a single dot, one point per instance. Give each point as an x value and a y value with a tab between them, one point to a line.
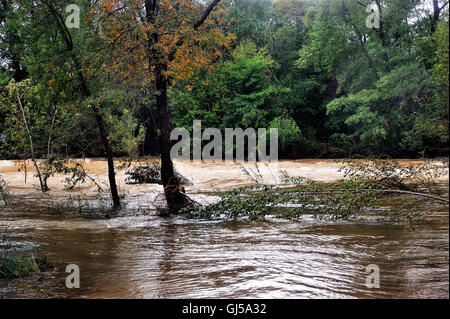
138	255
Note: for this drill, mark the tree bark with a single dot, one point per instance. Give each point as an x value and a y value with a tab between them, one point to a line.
164	125
173	190
436	14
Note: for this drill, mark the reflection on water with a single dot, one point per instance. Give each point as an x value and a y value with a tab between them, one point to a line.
142	256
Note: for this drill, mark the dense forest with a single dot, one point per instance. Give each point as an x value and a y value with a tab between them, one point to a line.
333	86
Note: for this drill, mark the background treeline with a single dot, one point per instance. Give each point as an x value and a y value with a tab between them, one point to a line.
313	69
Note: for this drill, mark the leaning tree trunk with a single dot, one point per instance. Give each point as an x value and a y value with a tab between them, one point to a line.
104	138
110	158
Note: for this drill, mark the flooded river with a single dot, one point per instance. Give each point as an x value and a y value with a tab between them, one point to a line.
139	255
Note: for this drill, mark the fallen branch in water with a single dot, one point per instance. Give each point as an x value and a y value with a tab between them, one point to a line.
376	190
95	182
190	199
366	185
319	199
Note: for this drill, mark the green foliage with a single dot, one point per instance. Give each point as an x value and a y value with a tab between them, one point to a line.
289	135
441	62
384	102
21	265
14	264
38	115
55	73
17	266
432	122
356	114
238	93
126	134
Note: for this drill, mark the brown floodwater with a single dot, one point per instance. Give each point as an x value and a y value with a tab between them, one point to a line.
139	255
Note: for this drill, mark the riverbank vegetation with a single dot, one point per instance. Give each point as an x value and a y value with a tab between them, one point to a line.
18	264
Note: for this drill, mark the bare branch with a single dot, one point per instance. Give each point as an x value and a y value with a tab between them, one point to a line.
206	14
197	25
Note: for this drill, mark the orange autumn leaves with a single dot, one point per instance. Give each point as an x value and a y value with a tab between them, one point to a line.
123	27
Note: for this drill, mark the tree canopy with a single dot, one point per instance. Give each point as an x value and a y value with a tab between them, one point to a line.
335	86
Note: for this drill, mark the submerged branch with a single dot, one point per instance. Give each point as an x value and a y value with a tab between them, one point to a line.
378	190
366	187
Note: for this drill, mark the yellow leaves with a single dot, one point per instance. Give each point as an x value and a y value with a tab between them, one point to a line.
50	83
129	54
109	5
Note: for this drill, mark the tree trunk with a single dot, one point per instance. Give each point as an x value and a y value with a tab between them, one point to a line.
172	187
42	182
104	137
173	190
436	15
110	158
164	128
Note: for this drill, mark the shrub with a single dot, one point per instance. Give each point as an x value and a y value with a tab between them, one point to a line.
150	173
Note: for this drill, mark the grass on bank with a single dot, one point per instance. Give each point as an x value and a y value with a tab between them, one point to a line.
19	265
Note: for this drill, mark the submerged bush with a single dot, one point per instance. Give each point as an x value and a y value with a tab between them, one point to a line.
4	194
258	201
150	173
391	174
20	264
